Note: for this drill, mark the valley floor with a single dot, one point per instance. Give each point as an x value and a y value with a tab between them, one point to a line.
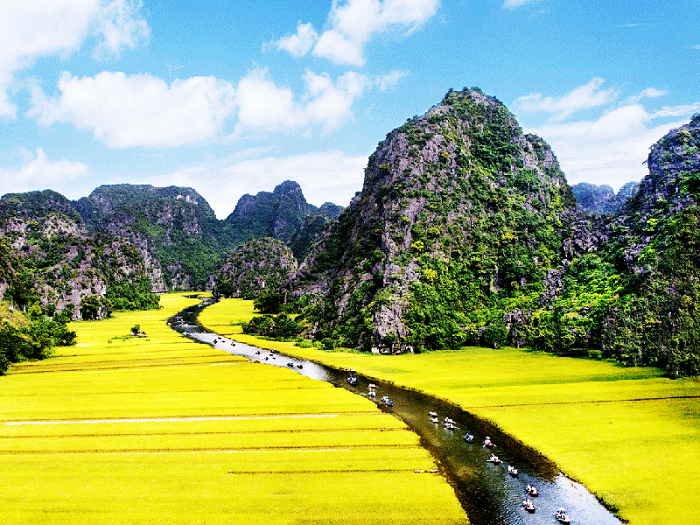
124	430
629	435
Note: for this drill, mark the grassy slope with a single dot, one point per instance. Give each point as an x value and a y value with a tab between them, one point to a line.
630	435
299	451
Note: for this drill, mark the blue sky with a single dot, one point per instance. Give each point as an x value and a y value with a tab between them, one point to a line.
232	96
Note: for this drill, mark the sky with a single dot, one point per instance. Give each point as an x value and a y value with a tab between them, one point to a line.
235	96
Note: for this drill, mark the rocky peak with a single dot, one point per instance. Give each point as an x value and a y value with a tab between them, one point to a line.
458	192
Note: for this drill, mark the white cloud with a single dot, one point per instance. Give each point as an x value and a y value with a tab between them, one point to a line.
119	25
138	110
323	176
352	24
39	171
300	43
31	29
609	150
512	4
583	97
677	111
265	107
390	80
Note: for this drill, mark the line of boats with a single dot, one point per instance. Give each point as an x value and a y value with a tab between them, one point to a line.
532	492
372	389
449	424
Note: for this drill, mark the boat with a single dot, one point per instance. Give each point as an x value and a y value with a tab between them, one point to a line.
300	366
291	364
512	471
562	516
372	393
433	418
388	402
493	459
449	424
468	438
352	380
488	443
532	491
371	386
528	505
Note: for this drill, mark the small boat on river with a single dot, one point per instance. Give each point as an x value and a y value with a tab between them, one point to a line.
488	443
352	380
532	491
512	471
468	438
388	402
562	516
433	418
528	505
493	459
449	424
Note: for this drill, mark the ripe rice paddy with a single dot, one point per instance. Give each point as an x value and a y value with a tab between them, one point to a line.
163	430
629	435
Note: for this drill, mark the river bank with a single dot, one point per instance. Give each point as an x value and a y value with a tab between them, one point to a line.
628	434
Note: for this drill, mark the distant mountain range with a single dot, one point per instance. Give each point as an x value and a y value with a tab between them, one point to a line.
465	232
602	199
164	238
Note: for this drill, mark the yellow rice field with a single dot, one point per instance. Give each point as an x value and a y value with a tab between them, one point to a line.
122	430
629	434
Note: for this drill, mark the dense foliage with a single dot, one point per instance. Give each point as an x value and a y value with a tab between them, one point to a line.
30	336
254	267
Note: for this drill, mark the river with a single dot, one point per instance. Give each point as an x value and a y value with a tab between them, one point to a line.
488	494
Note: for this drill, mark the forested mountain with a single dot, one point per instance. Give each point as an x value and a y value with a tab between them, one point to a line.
57	252
174	229
461	217
466	232
52	259
602	199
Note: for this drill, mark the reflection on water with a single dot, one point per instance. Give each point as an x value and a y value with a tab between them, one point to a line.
489	495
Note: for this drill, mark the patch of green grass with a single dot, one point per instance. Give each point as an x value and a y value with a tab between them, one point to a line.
119	430
630	435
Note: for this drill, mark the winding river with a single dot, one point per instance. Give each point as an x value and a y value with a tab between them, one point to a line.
488	494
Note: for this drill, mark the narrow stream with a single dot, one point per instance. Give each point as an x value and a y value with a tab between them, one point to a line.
487	492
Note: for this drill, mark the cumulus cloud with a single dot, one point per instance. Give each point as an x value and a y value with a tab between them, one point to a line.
324	176
352	24
265	107
138	110
32	29
38	170
583	97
